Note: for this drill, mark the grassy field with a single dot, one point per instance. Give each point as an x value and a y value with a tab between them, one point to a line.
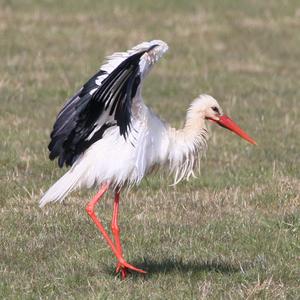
234	232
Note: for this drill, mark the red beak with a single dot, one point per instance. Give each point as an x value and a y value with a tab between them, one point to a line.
226	122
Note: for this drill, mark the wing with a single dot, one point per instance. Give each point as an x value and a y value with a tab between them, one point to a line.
105	100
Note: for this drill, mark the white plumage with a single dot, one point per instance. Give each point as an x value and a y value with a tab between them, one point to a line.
151	142
120	161
111	139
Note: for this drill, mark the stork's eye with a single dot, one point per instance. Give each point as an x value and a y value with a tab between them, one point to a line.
215	109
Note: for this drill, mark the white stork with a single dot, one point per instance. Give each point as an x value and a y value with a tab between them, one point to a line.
111	139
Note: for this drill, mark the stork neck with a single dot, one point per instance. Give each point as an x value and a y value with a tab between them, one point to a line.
194	126
186	146
193	135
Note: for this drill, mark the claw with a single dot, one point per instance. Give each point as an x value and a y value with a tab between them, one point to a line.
123	266
128	266
123	274
118	268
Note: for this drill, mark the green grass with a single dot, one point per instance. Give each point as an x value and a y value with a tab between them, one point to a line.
232	233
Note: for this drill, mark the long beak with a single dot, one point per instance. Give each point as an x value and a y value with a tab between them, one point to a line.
226	122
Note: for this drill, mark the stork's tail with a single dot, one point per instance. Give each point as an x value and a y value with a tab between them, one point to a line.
65	185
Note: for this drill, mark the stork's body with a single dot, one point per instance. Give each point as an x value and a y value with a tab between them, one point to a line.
111	139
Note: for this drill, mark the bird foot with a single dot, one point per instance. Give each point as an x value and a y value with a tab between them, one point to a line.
123	266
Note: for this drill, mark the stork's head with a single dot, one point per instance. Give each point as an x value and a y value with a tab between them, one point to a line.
208	108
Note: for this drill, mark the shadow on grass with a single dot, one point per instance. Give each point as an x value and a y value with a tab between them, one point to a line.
194	267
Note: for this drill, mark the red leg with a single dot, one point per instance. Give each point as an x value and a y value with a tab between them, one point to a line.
116	232
90	210
114	224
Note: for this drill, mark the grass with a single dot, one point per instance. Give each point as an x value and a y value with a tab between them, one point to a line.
232	233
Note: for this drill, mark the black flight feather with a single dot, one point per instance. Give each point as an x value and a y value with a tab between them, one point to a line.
78	118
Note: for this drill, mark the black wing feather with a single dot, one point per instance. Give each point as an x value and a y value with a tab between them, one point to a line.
78	118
